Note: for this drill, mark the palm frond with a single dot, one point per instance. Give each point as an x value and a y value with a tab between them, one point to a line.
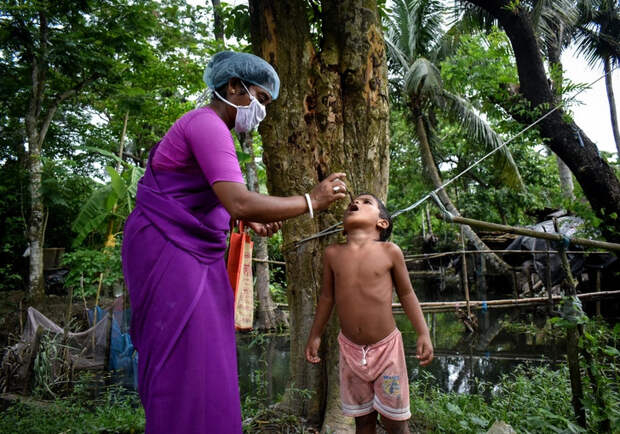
476	128
554	17
416	25
395	54
594	46
598	33
423	80
469	17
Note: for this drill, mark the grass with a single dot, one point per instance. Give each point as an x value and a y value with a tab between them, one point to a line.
533	399
116	410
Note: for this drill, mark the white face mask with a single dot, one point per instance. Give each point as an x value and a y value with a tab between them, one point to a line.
248	116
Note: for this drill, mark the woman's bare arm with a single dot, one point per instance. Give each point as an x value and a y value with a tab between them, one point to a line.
243	204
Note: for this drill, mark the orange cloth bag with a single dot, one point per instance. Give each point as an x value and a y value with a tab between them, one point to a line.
240	275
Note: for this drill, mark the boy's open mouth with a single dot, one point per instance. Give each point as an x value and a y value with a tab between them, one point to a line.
353	207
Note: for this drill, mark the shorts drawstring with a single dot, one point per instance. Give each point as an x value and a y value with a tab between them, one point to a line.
364	351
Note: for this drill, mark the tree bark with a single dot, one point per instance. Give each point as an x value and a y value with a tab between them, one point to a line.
218	25
36	287
612	103
332	115
554	53
597	179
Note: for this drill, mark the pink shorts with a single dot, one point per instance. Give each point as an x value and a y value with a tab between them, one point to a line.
374	377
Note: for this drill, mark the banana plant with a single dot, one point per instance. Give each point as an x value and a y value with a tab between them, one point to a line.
109	205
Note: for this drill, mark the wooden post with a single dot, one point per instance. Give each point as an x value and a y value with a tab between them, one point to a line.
572	341
464	270
428	221
515	283
434	327
598	289
530	284
32	355
548	279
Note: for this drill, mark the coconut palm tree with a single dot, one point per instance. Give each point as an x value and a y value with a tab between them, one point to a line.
414	40
598	39
554	22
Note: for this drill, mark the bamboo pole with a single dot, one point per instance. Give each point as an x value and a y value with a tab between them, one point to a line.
422	256
447	306
429	273
464	269
572	343
529	232
268	261
450	306
515	283
598	289
548	279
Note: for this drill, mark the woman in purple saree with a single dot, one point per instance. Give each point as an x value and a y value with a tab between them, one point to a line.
174	248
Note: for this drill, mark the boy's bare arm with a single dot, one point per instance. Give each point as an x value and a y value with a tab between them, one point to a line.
323	310
411	305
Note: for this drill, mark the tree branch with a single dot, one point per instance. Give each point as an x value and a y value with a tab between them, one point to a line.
56	103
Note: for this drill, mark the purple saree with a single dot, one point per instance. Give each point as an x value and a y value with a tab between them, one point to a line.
182	305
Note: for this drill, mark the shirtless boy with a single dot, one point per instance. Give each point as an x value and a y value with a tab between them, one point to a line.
358	278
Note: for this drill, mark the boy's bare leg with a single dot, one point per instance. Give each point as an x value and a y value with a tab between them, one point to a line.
366	424
395	426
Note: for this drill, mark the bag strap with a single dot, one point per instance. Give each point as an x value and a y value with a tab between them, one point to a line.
237	224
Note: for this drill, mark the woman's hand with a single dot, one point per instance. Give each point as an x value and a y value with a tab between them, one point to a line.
329	190
264	229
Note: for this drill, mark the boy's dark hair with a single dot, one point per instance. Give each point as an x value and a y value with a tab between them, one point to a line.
384	234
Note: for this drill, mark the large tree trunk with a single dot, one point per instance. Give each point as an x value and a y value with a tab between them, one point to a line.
495	262
554	53
268	316
332	115
37	121
612	103
36	288
598	181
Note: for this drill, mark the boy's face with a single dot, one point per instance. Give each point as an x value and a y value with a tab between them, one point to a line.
364	209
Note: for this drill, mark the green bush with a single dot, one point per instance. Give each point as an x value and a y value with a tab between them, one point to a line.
531	400
88	264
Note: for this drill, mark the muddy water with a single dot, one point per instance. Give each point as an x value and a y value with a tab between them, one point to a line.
461	358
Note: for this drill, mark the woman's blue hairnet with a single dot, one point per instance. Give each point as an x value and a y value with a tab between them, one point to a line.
247	67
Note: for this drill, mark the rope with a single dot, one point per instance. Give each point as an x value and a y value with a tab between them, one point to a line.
330	230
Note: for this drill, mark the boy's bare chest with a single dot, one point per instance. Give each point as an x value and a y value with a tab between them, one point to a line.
362	268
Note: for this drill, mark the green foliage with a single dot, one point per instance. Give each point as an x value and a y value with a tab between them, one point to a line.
457	135
531	400
86	266
482	68
602	342
116	410
13	201
236	19
64	191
